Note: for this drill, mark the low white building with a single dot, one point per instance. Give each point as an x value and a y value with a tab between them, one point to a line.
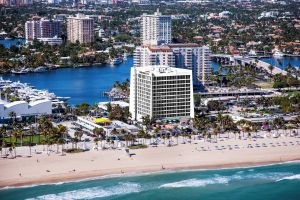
161	92
51	41
23	108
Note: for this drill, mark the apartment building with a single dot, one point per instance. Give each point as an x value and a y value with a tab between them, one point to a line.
194	57
80	28
187	56
156	29
41	28
154	55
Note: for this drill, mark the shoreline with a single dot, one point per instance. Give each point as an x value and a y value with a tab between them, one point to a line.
44	168
99	174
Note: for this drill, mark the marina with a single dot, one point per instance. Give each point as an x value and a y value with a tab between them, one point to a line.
26	92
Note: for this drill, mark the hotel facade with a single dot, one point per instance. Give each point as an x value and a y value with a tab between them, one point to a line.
162	92
80	28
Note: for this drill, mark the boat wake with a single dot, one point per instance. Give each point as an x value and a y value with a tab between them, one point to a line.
94	192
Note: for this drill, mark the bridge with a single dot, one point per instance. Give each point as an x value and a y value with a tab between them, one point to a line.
243	60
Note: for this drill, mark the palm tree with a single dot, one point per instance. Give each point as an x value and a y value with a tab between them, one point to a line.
141	135
146	121
271	68
184	134
77	135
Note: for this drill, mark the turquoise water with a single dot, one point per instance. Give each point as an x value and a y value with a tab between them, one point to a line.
276	182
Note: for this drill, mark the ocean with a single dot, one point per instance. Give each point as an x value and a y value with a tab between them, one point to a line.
274	182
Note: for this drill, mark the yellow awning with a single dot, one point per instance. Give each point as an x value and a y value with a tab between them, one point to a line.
102	120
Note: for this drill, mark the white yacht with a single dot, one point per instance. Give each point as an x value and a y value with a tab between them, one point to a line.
116	61
125	56
21	71
40	69
277	53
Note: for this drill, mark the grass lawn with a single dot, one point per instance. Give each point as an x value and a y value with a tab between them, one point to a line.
36	139
139	146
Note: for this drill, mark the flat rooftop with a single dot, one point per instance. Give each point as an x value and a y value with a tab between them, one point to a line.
162	70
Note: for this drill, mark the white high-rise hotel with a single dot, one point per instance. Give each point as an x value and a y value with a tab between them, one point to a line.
162	92
156	29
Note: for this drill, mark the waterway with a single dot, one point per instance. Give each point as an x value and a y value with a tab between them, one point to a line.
85	84
283	62
7	43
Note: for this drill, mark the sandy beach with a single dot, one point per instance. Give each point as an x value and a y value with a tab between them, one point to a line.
41	168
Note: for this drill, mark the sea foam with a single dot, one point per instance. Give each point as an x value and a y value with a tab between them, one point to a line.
294	177
94	192
196	182
238	176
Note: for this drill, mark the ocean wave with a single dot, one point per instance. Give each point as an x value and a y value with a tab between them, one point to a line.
196	182
261	176
293	177
238	176
94	192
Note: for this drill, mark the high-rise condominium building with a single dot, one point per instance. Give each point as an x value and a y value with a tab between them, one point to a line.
80	28
156	29
153	55
187	56
41	28
162	92
194	57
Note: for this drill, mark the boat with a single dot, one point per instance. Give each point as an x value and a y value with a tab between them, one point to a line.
277	53
21	71
252	53
124	56
63	98
116	61
40	69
